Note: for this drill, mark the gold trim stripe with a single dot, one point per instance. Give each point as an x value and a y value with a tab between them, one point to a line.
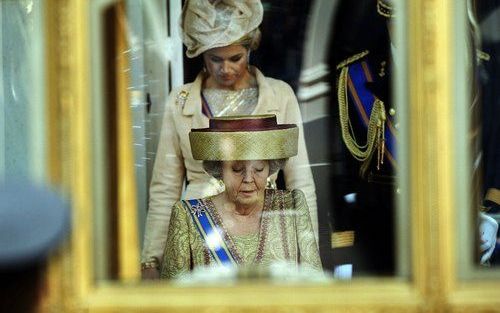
257	145
352	59
342	239
493	195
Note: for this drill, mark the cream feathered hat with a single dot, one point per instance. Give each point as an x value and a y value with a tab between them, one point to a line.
208	24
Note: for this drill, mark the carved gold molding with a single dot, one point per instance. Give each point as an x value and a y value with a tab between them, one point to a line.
128	245
431	145
67	81
366	296
431	32
433	286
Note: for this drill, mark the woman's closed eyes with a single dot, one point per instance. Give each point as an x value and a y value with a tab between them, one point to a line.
232	59
240	169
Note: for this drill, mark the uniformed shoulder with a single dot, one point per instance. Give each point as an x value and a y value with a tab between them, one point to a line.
353	58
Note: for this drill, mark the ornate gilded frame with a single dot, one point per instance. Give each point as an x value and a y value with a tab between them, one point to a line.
433	286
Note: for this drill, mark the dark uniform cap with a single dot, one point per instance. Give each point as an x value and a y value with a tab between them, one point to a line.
33	220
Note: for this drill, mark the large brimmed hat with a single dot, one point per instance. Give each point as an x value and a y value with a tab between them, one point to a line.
208	24
250	137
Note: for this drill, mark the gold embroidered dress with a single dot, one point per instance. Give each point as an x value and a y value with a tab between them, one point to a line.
286	234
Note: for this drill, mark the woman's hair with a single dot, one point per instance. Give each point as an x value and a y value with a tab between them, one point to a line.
214	168
251	41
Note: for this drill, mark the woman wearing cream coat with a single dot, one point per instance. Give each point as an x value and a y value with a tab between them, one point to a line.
226	86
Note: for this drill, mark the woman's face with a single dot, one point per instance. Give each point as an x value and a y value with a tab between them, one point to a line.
245	181
227	66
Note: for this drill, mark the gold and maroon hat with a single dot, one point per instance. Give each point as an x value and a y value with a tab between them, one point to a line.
249	137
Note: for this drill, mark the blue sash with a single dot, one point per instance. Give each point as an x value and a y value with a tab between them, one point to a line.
358	75
209	232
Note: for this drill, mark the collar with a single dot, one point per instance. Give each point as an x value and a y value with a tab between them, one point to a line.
268	101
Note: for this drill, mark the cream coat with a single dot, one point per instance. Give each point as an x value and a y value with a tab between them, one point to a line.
174	162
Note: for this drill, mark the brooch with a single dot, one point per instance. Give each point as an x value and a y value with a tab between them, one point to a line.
198	209
181	98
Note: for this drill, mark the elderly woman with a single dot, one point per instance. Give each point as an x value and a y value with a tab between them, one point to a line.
246	224
223	33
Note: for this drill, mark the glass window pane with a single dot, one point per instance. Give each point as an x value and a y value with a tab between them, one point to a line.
476	136
488	55
312	50
22	131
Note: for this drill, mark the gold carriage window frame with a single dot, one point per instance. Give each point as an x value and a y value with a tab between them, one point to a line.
434	284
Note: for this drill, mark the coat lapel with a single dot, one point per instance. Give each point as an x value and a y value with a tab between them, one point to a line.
192	107
267	103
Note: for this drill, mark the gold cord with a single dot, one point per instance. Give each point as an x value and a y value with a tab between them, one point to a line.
385	9
352	59
376	128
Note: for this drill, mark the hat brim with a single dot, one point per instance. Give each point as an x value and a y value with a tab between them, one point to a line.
244	145
33	220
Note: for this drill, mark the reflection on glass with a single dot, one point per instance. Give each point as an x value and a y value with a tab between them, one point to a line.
364	119
488	35
21	104
341	182
230	85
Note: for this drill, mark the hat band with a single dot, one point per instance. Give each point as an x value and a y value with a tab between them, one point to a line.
233	124
244	145
244	123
